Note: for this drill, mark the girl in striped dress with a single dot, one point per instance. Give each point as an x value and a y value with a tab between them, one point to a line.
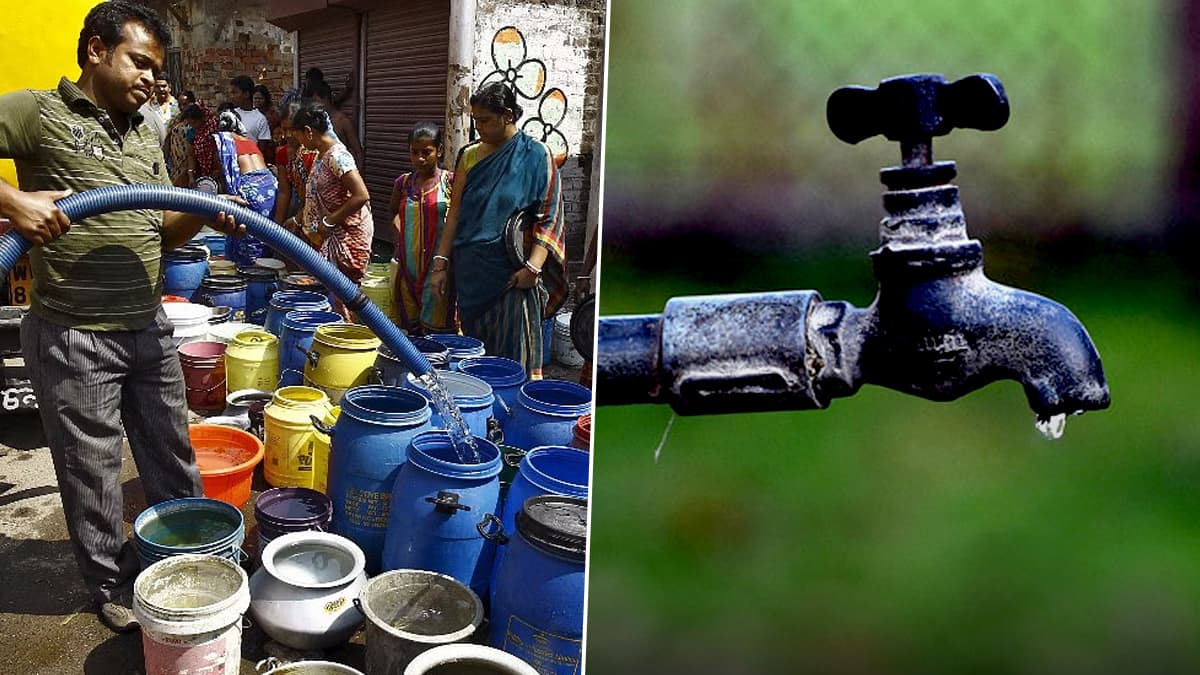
420	200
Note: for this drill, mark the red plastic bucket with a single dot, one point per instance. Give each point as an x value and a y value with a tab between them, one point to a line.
227	458
582	433
204	375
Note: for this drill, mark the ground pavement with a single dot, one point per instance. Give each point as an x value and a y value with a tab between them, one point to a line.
47	624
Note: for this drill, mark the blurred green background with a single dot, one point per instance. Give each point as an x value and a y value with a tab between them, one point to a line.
889	534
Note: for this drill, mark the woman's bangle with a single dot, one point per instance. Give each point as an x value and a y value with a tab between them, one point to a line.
533	268
442	257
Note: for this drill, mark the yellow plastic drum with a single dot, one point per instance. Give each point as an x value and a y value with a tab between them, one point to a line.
290	439
342	356
321	452
252	361
379	290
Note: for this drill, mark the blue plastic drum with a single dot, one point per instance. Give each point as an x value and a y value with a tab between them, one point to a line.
436	504
369	444
546	413
537	594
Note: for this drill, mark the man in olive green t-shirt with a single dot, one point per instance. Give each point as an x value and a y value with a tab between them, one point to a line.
96	340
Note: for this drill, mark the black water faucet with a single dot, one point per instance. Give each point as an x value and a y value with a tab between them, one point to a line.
938	328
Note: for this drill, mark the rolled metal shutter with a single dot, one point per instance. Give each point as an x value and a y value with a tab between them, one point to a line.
407	62
332	45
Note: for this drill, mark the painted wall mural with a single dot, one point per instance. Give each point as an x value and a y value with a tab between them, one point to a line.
527	78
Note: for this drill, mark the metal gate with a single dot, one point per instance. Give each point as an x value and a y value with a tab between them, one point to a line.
406	64
332	45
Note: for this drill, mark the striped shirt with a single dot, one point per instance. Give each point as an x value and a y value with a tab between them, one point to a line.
105	273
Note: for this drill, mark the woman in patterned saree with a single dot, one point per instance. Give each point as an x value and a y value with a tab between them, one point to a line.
337	208
245	173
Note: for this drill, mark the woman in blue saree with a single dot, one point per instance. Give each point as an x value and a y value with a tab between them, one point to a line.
246	175
499	302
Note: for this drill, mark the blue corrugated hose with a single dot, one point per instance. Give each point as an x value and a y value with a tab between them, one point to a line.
157	197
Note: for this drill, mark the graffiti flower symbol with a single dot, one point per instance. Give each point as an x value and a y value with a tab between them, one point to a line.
552	110
526	76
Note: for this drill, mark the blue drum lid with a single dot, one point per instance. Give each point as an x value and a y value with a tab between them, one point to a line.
555	524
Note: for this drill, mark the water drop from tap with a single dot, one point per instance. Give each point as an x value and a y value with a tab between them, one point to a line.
1051	427
663	440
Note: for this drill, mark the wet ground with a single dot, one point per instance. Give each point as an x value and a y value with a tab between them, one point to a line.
47	624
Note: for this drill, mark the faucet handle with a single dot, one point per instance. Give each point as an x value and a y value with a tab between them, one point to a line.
912	109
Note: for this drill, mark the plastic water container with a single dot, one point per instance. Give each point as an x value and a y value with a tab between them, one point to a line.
226	458
472	395
229	291
295	339
552	470
225	332
369	442
190	321
189	525
379	291
435	507
546	413
393	371
506	377
215	242
260	285
190	609
537	595
203	365
564	350
280	511
341	356
252	360
481	659
183	270
290	437
285	301
460	346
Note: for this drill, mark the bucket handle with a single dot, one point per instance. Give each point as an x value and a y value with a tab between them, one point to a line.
284	372
504	406
312	357
513	459
321	426
484	527
358	605
212	388
447	502
375	375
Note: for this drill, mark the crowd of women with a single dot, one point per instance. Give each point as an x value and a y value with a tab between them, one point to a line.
479	248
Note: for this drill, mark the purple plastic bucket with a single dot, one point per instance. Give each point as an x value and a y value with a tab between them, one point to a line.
290	509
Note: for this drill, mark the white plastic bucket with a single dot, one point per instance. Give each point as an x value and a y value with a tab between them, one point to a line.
313	668
470	658
225	332
564	350
190	321
190	608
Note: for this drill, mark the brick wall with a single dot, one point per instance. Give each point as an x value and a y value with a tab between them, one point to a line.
223	39
567	38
